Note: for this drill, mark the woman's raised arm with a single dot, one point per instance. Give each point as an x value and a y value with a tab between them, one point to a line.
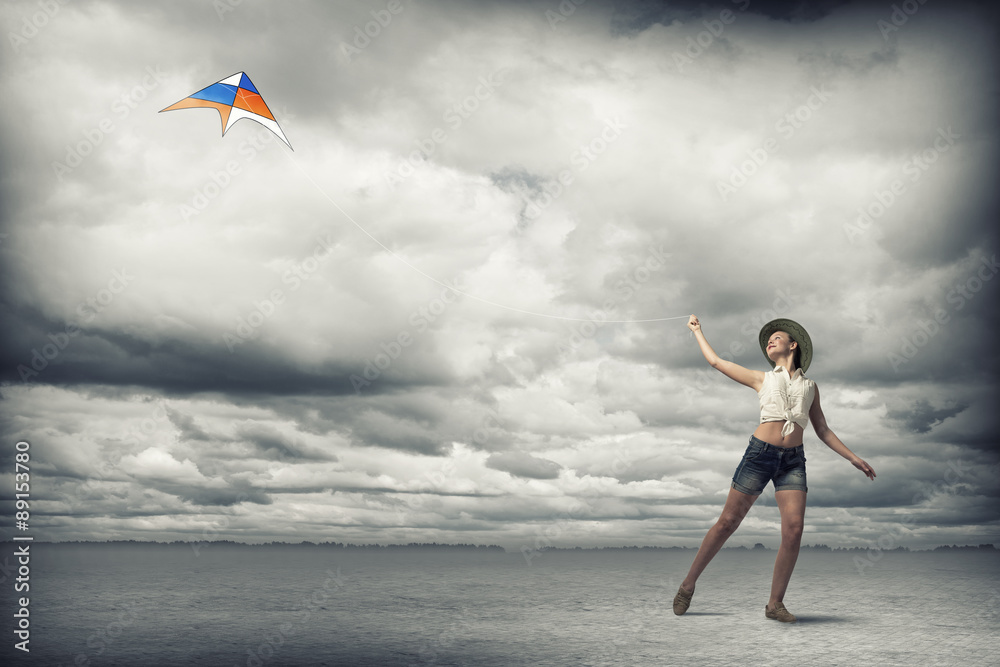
752	379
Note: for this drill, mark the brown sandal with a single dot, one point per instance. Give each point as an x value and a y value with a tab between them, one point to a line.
779	613
682	601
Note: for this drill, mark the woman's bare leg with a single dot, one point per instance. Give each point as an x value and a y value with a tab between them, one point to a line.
737	506
792	505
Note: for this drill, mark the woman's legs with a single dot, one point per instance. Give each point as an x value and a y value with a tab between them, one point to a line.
792	505
737	506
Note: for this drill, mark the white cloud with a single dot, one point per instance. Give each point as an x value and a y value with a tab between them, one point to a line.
156	465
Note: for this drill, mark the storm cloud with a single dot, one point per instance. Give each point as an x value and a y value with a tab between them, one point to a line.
456	311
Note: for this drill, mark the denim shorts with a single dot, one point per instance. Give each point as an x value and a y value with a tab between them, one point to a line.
764	462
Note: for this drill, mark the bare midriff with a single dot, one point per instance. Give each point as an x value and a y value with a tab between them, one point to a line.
770	432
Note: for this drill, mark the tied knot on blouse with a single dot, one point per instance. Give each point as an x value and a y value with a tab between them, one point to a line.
786	398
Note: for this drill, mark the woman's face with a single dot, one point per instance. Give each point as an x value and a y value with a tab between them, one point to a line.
780	344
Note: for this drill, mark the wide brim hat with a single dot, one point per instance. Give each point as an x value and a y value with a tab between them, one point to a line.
798	334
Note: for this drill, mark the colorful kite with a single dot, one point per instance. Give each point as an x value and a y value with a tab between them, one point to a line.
235	98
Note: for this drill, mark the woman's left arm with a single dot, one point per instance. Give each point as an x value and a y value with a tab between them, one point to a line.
831	440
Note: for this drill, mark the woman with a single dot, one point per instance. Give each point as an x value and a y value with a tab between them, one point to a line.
788	401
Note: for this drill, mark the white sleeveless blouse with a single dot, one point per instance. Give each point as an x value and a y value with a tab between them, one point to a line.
787	399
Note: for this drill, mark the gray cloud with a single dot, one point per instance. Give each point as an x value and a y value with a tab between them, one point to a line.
524	465
424	319
922	417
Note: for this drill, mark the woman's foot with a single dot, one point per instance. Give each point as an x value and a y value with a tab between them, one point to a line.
778	612
682	600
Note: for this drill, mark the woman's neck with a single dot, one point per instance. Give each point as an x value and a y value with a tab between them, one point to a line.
788	363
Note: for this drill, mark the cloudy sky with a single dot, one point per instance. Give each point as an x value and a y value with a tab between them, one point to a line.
456	311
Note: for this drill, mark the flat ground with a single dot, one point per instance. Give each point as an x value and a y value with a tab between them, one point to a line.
159	605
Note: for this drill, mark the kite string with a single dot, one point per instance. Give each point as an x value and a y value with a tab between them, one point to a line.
450	287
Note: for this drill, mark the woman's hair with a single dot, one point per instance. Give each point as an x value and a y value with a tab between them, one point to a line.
797	358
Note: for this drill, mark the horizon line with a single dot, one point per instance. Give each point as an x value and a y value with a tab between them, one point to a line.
492	547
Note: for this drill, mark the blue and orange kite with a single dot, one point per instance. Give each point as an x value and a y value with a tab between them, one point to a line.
235	98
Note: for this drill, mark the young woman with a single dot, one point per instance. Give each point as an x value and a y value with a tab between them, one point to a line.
788	401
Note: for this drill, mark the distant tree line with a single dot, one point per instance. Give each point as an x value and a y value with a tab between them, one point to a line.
304	543
496	548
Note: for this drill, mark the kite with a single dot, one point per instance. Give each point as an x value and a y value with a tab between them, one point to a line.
235	98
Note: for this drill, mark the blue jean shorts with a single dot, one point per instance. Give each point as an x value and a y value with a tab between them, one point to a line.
764	462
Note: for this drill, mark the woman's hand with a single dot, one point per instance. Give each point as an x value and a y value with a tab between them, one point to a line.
863	467
694	324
